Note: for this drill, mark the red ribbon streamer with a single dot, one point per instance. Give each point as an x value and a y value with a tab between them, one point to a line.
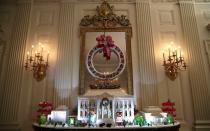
106	43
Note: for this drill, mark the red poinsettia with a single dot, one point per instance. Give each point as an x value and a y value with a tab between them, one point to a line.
106	43
44	107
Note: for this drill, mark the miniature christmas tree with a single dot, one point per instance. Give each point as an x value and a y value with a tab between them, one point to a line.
169	108
44	109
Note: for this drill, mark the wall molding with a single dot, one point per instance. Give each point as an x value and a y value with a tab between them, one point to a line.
202	124
9	126
24	1
164	1
84	1
202	1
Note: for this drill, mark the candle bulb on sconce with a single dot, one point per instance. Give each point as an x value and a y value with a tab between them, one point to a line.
36	63
48	53
174	63
163	53
164	59
32	47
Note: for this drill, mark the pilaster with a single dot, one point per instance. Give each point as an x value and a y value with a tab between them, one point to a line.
148	78
63	78
12	86
200	93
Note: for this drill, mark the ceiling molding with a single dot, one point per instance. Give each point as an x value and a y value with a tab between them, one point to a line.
202	1
164	1
109	1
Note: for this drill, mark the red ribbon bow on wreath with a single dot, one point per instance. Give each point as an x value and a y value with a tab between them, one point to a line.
106	43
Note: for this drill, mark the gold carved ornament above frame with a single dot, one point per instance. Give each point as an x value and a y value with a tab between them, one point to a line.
105	18
105	21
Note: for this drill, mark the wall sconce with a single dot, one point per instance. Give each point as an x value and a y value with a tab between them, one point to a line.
173	62
35	62
208	27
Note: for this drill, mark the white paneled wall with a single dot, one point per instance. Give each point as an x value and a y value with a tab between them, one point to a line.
56	24
44	22
166	28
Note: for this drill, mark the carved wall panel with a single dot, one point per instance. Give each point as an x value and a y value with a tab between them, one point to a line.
166	17
167	28
206	15
44	29
45	17
43	37
166	37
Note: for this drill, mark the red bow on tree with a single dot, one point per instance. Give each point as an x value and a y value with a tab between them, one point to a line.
44	107
106	43
169	108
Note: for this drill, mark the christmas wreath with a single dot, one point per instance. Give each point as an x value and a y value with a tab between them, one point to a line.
105	45
105	102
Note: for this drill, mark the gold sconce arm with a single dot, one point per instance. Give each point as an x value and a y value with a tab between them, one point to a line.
174	63
36	63
208	27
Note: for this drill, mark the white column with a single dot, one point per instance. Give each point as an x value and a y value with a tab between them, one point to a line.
148	78
9	106
200	93
63	76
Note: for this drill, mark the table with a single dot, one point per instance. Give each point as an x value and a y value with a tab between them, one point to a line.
171	127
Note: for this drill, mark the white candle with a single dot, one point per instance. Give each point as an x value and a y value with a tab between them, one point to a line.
27	57
48	53
42	47
163	56
27	54
32	47
169	50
